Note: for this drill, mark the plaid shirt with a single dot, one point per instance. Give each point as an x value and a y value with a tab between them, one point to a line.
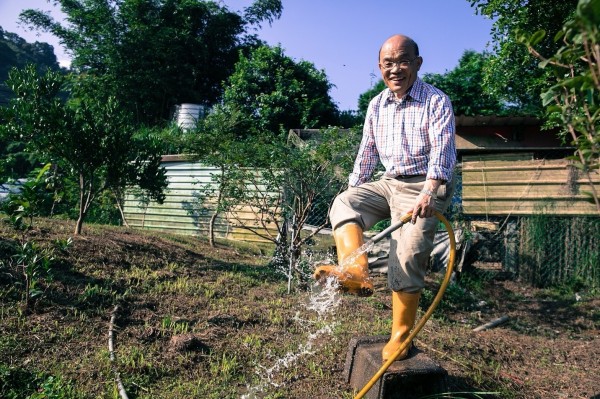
411	136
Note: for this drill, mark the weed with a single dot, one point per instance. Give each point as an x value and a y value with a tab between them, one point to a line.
22	207
276	317
97	294
252	341
54	387
246	332
546	254
209	292
224	366
182	285
63	244
32	263
17	383
315	368
174	327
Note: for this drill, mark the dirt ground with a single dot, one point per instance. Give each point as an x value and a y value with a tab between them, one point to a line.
549	347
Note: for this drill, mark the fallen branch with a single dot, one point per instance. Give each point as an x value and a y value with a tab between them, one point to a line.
111	351
491	324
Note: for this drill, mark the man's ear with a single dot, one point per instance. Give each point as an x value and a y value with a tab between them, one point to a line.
419	62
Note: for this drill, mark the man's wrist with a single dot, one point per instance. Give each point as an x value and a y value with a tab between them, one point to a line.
429	192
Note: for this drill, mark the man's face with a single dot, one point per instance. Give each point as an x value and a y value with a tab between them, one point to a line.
399	65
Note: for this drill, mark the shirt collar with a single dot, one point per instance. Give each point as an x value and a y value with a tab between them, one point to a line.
415	93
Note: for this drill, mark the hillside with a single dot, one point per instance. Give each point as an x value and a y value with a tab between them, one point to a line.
191	321
17	52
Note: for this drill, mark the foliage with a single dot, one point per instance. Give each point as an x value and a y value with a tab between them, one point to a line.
106	209
294	180
267	94
15	52
15	162
512	73
272	94
350	119
545	261
17	383
573	100
215	142
464	86
32	264
155	54
89	138
365	98
301	180
33	199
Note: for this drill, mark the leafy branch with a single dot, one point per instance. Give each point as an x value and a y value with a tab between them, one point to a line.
573	102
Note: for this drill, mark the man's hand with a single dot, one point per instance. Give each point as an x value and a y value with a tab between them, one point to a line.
424	207
425	203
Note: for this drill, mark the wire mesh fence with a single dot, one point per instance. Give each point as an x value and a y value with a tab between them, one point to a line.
543	249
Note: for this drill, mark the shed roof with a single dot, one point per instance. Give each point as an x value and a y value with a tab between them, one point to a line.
493	120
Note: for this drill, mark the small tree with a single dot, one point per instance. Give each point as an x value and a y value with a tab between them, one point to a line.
574	100
216	142
89	137
30	201
299	178
267	92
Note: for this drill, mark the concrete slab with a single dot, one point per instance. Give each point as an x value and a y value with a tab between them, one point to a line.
410	378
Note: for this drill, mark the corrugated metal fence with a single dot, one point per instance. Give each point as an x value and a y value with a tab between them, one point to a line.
188	207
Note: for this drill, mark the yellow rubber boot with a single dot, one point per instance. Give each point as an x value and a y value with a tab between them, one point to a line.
352	271
404	313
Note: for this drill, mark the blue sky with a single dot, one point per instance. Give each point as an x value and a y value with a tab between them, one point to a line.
342	37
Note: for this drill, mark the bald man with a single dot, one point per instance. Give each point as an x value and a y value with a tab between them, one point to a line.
410	129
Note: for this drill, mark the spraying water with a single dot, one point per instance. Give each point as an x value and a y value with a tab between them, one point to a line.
323	300
352	258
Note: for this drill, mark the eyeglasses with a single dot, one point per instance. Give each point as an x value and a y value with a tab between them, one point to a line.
402	64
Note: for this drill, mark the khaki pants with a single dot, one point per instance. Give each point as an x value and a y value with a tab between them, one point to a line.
411	245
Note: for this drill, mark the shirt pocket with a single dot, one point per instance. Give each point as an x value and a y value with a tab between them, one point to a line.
417	139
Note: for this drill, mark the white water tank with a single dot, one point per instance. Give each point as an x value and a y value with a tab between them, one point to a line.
188	114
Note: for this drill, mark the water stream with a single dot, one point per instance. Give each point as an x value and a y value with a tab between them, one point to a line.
323	301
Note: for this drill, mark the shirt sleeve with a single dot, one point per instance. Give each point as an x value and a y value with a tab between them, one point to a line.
367	157
442	157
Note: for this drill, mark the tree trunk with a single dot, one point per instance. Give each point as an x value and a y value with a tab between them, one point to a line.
84	203
117	199
79	224
213	218
211	229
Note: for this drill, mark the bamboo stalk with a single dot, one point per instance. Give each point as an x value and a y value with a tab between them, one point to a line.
111	351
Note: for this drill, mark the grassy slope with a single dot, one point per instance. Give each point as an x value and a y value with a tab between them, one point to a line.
200	322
